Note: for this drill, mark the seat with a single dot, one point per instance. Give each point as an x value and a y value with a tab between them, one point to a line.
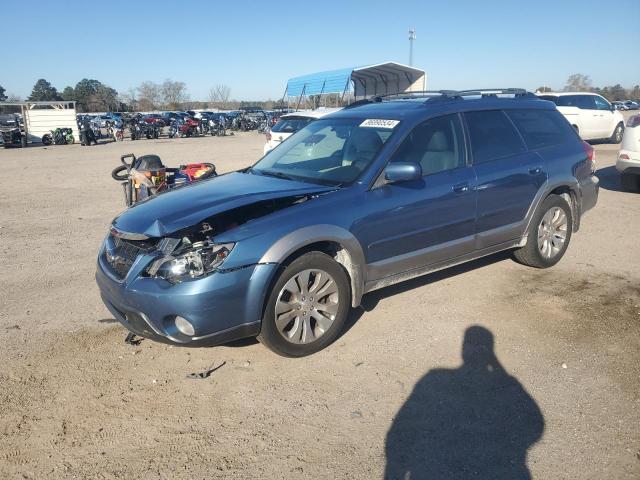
439	155
362	147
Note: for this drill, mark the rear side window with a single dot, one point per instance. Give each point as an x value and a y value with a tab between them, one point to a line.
584	102
492	136
541	128
290	125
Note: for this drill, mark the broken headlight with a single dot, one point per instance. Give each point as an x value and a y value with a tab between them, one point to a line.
198	260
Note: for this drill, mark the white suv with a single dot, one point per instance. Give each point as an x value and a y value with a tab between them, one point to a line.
628	163
590	114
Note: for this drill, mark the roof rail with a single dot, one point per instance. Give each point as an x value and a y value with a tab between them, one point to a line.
494	92
445	95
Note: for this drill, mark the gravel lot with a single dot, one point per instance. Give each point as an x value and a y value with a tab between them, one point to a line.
558	394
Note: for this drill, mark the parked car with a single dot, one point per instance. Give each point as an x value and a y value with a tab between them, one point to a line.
619	106
628	163
374	194
11	133
290	124
103	121
593	117
631	105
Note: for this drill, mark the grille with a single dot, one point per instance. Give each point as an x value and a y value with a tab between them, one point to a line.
125	252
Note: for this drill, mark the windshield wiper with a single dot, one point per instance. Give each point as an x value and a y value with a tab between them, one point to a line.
273	173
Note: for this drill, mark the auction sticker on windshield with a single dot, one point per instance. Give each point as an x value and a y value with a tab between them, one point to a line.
379	123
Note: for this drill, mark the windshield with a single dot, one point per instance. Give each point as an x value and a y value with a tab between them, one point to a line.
332	151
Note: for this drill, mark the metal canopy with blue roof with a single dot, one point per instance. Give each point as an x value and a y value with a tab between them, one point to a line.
369	80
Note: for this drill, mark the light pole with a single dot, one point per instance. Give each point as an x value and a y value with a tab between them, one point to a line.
412	37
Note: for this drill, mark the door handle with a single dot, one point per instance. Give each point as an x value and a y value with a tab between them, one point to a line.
535	171
460	188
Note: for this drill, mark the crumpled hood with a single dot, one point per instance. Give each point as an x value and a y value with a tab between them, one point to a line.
186	206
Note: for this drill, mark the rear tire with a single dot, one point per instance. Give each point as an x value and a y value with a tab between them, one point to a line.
304	324
630	182
46	139
549	234
616	137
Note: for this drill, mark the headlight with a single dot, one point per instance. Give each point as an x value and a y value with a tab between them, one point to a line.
199	260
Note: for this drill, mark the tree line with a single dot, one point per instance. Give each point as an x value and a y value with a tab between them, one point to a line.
92	95
582	83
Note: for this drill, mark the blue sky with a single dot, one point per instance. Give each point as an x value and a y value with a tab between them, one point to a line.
254	47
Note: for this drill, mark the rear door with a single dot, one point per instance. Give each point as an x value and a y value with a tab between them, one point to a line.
589	119
508	176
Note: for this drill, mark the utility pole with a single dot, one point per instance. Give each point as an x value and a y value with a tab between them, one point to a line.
412	37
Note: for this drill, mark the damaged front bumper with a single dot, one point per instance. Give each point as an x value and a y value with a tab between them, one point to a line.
223	306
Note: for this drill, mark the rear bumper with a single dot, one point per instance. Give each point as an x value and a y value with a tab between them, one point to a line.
224	306
632	163
589	190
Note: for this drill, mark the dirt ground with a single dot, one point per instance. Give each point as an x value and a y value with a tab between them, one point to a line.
557	393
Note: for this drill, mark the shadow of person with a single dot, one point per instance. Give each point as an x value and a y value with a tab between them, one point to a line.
475	421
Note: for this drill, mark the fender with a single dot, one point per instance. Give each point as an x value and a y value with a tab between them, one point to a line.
351	257
568	182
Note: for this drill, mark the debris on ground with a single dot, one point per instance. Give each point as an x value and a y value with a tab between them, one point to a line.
132	339
205	373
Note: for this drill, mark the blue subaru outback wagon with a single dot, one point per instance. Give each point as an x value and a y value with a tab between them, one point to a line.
382	191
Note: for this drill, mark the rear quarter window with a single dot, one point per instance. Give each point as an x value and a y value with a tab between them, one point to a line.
541	128
492	135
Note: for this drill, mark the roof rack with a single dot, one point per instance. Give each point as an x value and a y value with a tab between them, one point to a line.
494	92
446	95
429	94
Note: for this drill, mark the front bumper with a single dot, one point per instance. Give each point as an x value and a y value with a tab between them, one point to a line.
224	306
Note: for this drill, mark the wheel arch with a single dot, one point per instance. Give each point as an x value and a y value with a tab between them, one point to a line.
335	241
569	190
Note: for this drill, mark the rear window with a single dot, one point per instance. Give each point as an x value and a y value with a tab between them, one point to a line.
290	125
541	128
492	136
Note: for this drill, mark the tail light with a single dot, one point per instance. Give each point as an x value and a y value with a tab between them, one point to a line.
268	135
624	156
633	121
591	155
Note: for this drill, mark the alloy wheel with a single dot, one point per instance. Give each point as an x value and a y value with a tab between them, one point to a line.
307	306
552	232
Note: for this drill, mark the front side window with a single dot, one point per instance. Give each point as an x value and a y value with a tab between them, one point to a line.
332	151
541	128
492	135
601	103
436	145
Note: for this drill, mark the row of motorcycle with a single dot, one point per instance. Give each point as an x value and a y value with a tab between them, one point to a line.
139	128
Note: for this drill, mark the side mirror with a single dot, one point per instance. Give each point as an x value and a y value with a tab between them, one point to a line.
402	172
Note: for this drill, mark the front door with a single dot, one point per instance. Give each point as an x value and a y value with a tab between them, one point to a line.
421	222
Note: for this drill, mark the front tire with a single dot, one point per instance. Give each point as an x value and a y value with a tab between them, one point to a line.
549	234
307	306
616	137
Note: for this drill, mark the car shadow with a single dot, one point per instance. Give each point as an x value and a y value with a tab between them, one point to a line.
610	179
475	421
371	300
